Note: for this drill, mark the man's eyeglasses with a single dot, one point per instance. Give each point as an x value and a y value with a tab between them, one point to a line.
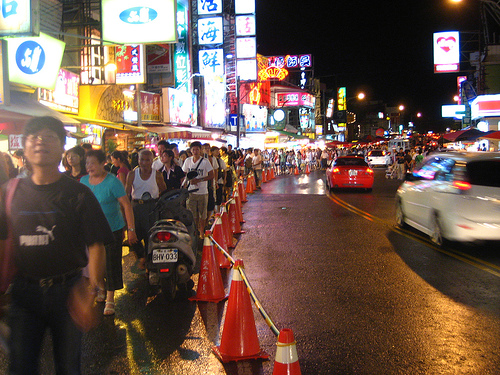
47	138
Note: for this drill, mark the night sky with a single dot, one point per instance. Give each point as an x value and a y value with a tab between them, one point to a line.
383	48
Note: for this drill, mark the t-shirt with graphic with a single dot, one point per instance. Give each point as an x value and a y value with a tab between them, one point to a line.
53	225
107	193
203	169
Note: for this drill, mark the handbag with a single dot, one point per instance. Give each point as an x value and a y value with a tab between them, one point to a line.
7	265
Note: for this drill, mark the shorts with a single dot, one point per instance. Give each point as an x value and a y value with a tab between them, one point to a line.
197	204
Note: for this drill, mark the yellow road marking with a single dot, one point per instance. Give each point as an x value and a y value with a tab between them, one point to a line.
466	258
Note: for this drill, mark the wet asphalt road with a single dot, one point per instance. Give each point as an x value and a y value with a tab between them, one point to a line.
360	297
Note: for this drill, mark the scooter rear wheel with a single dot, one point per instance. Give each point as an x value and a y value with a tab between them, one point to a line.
168	288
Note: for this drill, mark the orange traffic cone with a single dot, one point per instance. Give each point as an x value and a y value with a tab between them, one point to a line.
249	188
272	174
307	169
286	361
269	175
226	226
264	177
239	211
220	238
239	339
241	190
210	284
234	221
296	171
254	186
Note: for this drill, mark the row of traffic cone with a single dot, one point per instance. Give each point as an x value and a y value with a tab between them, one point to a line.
239	339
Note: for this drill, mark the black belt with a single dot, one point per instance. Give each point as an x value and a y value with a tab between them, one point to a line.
143	201
58	279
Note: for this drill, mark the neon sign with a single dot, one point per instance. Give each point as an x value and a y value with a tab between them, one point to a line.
273	72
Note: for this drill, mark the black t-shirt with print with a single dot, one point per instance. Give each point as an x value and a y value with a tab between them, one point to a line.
53	225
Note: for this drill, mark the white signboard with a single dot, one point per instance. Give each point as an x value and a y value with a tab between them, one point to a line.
244	6
210	31
446	52
247	69
245	25
209	6
211	62
246	48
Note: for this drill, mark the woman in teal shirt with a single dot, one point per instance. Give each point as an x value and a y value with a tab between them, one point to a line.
111	195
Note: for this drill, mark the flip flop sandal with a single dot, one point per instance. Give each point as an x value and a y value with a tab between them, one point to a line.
101	296
109	309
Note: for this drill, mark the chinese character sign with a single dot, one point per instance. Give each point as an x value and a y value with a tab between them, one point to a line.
246	48
210	30
245	25
181	57
18	17
130	67
209	6
211	62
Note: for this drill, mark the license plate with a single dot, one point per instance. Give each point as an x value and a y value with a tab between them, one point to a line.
165	255
353	172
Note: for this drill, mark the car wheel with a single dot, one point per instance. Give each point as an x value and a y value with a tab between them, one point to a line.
400	215
437	231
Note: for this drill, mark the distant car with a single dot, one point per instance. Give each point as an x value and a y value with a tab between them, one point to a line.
378	157
349	172
453	196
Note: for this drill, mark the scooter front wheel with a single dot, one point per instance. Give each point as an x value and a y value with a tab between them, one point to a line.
168	288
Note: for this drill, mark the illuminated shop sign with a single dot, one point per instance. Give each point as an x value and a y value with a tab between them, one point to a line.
94	133
139	22
158	58
209	6
35	61
19	17
296	99
255	118
247	69
341	99
179	107
215	102
64	97
130	64
273	72
211	62
292	61
150	106
210	31
245	25
446	52
455	111
244	6
182	67
246	48
486	106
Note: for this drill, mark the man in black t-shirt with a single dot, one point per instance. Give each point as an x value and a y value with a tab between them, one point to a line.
54	219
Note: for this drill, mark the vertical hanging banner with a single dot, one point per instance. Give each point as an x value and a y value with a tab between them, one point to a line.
139	21
181	57
210	31
211	62
209	6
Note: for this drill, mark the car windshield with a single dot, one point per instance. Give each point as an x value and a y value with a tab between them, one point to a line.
484	173
350	161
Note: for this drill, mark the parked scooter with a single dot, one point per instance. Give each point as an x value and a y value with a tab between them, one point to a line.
173	243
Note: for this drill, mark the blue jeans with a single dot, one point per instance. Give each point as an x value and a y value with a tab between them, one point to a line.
32	311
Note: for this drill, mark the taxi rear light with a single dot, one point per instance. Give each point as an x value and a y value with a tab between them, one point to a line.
462	185
369	171
336	171
163	236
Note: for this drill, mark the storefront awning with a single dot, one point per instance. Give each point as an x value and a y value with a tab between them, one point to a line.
109	124
21	104
177	132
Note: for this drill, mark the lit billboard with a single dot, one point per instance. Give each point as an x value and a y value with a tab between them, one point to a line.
64	97
245	25
446	52
210	31
130	64
139	22
19	17
179	107
211	62
35	61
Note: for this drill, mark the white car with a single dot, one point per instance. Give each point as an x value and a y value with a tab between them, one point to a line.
378	157
453	196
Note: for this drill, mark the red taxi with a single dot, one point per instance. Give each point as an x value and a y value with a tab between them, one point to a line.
349	172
